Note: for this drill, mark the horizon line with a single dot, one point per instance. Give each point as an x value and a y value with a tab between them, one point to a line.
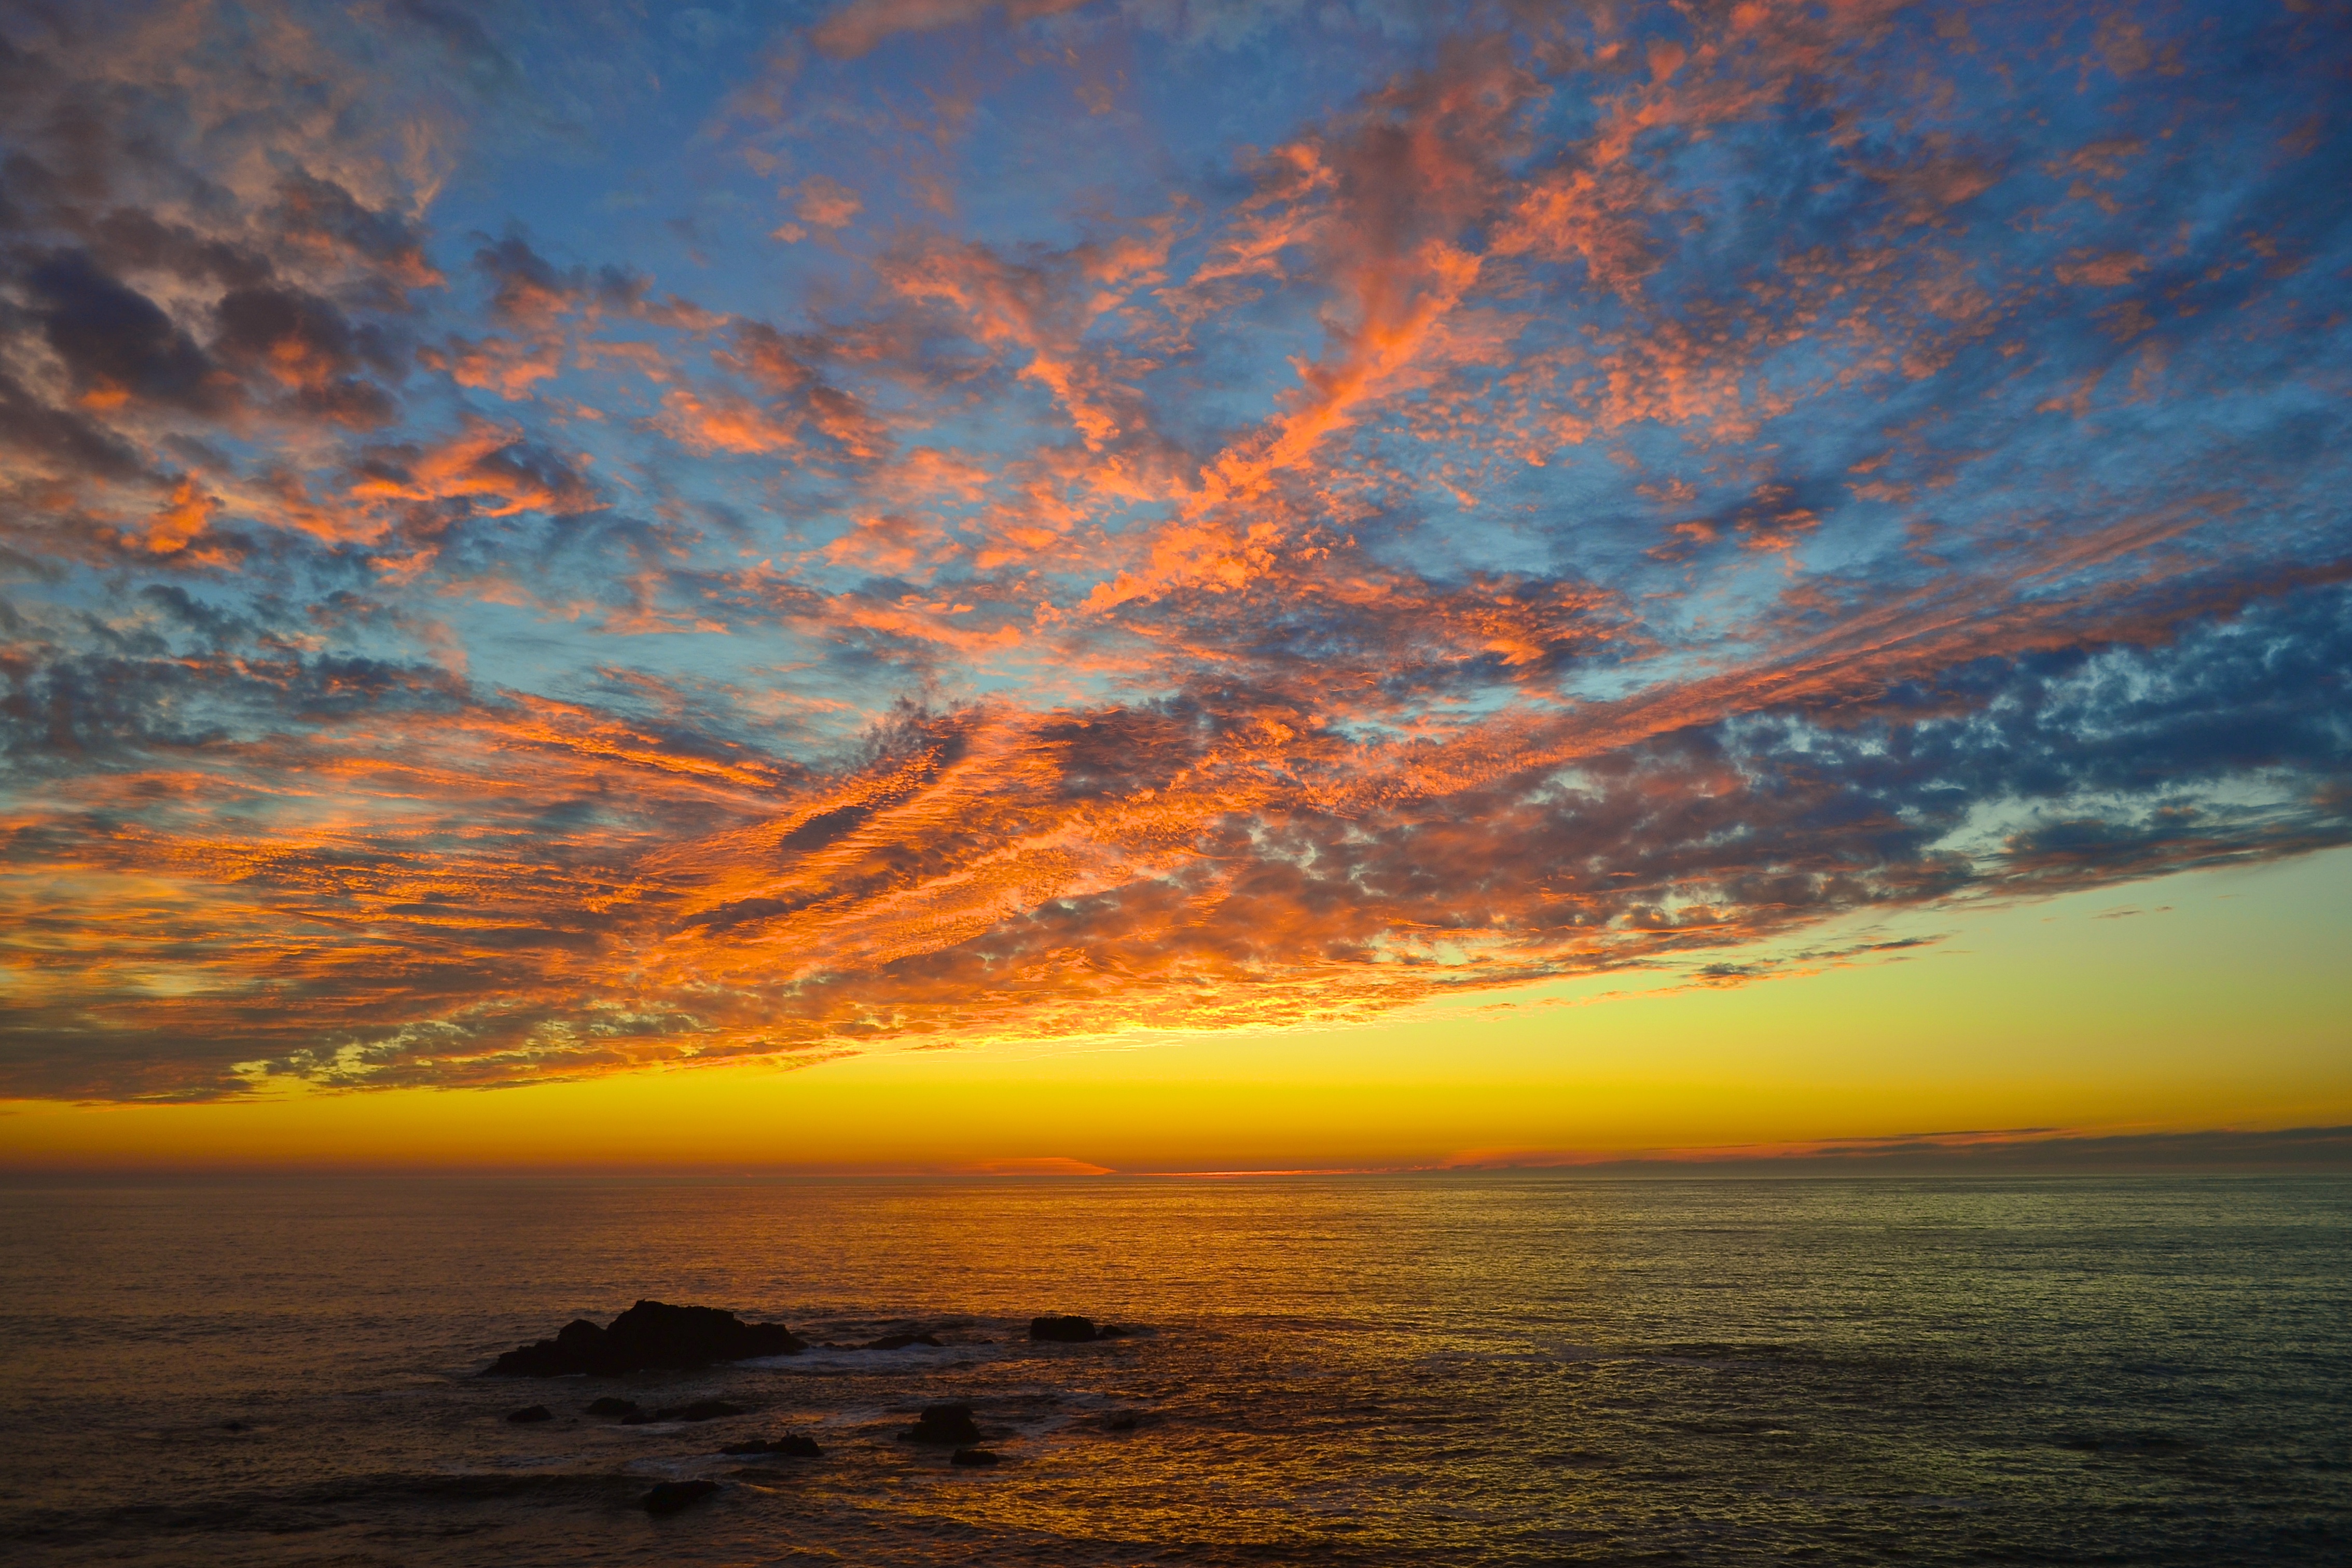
2312	1150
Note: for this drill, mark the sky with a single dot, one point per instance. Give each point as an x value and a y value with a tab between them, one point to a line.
1170	584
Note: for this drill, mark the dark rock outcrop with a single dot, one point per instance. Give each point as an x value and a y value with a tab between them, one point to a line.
649	1335
668	1497
973	1457
943	1424
901	1342
792	1446
529	1414
612	1405
700	1410
1069	1330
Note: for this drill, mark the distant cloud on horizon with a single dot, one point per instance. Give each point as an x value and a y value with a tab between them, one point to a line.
2030	1151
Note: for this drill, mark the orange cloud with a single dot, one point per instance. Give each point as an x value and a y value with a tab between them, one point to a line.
862	25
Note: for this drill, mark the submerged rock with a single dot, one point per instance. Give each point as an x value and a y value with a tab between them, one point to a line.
668	1497
943	1424
650	1335
901	1342
791	1446
1067	1330
529	1414
700	1410
611	1406
972	1456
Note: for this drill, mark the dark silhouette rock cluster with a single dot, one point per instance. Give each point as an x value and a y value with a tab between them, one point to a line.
947	1424
972	1456
668	1497
791	1446
529	1414
1071	1329
651	1335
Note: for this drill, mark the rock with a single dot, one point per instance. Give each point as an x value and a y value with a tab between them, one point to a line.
972	1456
943	1424
232	1425
792	1446
668	1497
1112	1331
700	1410
529	1414
650	1335
1070	1330
1125	1421
901	1342
610	1405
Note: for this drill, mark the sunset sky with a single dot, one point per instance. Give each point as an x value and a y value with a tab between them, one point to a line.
1170	584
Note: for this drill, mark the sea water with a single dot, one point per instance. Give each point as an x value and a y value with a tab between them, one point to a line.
1347	1370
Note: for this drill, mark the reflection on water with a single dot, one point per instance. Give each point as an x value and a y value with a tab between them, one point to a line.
1377	1371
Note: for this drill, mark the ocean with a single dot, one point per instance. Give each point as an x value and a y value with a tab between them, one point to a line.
1323	1370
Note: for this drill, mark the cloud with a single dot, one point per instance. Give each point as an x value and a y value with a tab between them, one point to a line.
863	25
116	344
2041	1151
1040	1166
825	203
306	345
1612	492
530	292
487	468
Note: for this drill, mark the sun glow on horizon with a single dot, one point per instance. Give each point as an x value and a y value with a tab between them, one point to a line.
2030	1022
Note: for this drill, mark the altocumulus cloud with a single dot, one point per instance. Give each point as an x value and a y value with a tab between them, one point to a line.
1015	520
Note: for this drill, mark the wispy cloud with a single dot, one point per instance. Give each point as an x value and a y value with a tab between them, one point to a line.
1572	489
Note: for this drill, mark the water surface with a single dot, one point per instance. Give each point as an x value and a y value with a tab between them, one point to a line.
1375	1370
